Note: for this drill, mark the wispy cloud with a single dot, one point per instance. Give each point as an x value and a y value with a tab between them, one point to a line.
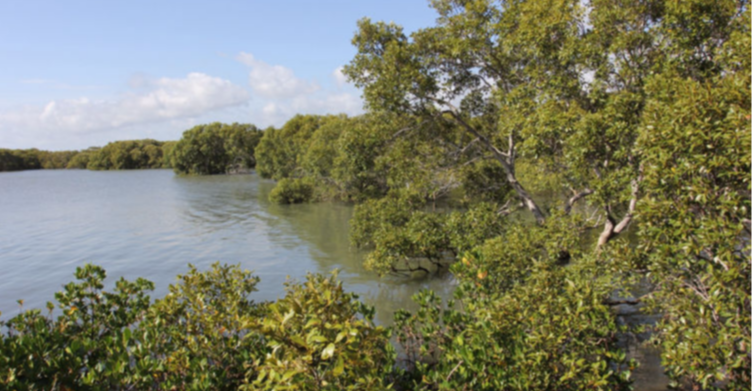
284	94
274	81
340	78
162	99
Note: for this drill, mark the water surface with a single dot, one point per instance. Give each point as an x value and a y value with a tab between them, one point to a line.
152	224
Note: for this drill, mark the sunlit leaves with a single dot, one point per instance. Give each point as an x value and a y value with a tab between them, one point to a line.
205	334
322	338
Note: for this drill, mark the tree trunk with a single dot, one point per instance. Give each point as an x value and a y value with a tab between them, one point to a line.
523	194
508	164
610	229
606	234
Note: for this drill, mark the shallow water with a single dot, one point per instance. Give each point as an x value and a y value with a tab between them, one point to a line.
152	224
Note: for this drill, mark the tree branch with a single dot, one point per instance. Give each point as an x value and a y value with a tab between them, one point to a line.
462	151
594	225
511	148
505	209
608	232
633	301
453	370
577	197
612	229
698	287
418	268
506	160
597	172
476	133
400	132
631	206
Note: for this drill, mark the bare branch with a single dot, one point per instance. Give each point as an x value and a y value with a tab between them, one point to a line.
612	229
476	133
569	206
597	172
633	301
474	160
631	206
511	147
506	160
505	209
608	232
462	151
453	370
595	225
400	132
626	220
698	287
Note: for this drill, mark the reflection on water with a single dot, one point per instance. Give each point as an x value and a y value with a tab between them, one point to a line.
152	224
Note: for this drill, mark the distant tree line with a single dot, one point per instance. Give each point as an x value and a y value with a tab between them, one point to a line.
203	150
33	159
117	155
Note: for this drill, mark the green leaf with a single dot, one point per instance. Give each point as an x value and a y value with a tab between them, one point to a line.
328	352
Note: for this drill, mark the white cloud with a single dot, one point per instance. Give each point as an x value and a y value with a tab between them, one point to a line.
340	77
162	99
277	113
274	81
329	103
270	109
285	95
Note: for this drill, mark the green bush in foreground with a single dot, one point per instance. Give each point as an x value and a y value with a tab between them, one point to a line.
86	347
549	330
553	333
292	191
205	334
322	338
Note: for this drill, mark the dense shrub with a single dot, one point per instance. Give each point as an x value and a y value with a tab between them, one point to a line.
117	155
215	148
205	334
404	237
167	153
81	159
696	225
622	113
552	332
322	338
281	150
127	155
17	159
292	191
86	347
33	159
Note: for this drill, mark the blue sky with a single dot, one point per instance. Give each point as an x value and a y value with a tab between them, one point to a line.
81	73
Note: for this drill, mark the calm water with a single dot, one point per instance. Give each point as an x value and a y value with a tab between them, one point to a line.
152	224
